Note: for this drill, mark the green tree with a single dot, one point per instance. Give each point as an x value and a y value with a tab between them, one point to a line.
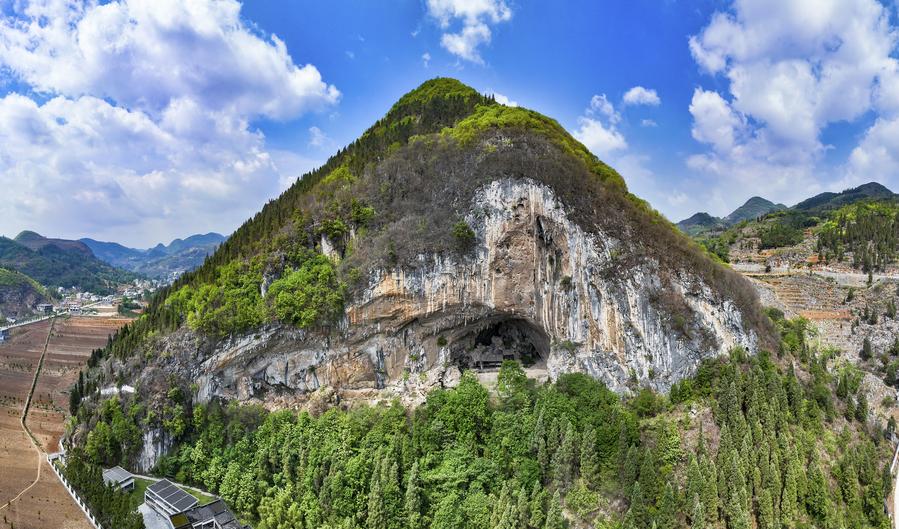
413	503
554	519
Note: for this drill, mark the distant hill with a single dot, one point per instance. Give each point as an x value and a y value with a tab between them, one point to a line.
161	261
700	222
753	208
60	263
19	294
828	201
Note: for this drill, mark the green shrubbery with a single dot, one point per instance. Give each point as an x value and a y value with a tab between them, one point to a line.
307	293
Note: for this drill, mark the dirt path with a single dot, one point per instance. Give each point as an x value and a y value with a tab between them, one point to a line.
34	442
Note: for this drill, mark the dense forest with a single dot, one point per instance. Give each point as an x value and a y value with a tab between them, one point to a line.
867	231
767	441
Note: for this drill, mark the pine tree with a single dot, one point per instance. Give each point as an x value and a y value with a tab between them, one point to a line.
413	500
554	519
589	469
563	460
649	476
766	510
637	511
698	516
377	515
710	497
694	478
667	510
629	469
538	443
523	507
538	506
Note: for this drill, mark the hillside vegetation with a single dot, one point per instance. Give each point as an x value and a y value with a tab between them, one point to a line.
751	442
396	193
59	263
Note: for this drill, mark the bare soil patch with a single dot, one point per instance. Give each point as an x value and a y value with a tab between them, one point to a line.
46	504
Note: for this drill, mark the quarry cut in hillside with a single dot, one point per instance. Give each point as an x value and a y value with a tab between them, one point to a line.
555	265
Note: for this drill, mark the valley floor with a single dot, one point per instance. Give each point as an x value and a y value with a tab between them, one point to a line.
46	504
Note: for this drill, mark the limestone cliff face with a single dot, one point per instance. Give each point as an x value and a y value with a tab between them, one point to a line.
537	288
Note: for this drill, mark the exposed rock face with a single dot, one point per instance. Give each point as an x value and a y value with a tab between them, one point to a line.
538	288
19	300
156	443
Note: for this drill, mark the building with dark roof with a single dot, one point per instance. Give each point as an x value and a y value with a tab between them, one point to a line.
213	515
118	477
167	499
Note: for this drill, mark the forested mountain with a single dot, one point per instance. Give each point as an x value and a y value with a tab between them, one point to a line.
161	261
753	208
409	294
702	222
60	263
830	201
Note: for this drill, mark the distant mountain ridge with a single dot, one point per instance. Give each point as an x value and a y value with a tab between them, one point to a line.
160	261
60	263
828	200
757	206
751	209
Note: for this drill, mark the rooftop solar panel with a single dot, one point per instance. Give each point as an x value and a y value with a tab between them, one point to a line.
176	498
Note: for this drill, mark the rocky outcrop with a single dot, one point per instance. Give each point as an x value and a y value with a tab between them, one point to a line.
156	443
537	288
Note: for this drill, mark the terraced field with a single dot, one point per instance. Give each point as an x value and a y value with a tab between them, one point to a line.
39	500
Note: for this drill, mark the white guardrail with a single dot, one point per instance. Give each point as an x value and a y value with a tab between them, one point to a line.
52	458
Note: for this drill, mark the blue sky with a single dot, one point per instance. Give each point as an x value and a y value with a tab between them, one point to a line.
139	121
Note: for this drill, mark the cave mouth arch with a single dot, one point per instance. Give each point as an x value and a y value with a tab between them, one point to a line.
485	346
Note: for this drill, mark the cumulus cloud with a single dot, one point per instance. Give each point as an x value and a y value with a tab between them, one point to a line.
639	95
504	100
474	17
145	53
792	68
143	128
600	105
426	59
597	128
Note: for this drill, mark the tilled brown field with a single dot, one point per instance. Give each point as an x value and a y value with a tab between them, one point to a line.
46	504
70	347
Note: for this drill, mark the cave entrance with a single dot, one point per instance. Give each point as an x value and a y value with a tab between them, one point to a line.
505	339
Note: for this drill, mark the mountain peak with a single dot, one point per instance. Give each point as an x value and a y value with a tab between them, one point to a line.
28	235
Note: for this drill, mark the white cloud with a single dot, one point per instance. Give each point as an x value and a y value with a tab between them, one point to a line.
877	155
475	16
144	126
145	53
648	123
601	104
89	167
639	95
603	139
504	100
426	59
792	69
318	139
714	122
